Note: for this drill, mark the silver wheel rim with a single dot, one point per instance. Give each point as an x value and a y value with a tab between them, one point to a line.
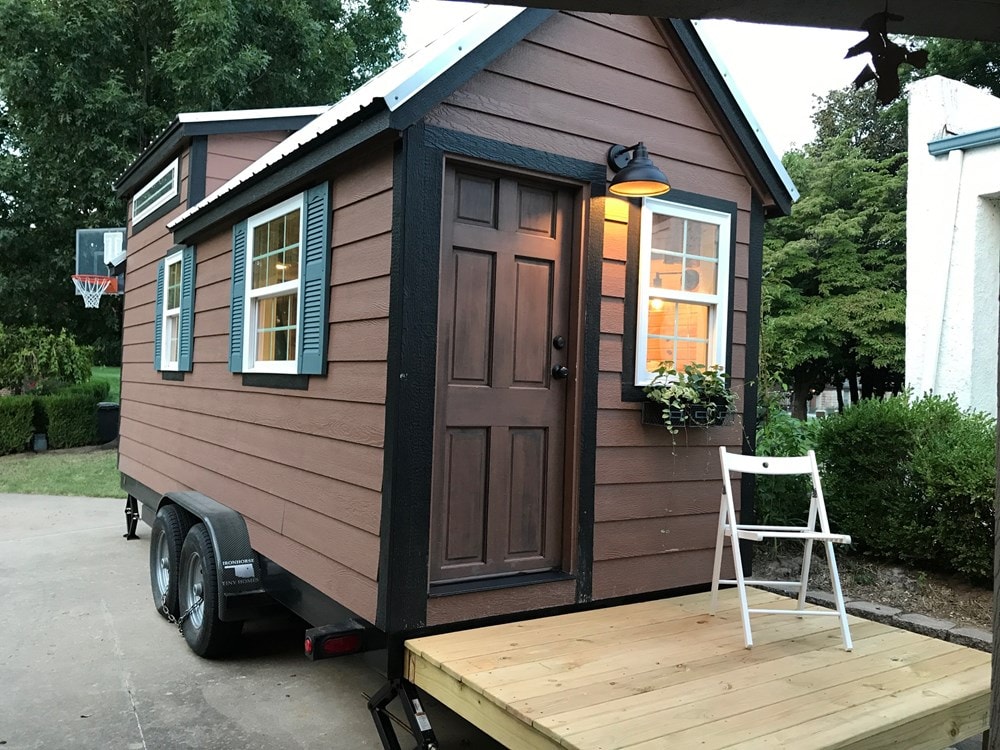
162	569
193	588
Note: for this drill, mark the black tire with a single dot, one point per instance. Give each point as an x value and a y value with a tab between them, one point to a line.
165	541
205	633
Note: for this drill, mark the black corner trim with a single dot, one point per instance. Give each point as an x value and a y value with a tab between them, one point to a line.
500	582
456	75
276	380
750	389
631	392
732	111
593	253
410	384
197	169
174	375
158	214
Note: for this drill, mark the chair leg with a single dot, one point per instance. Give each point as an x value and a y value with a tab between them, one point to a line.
838	595
742	588
717	569
804	577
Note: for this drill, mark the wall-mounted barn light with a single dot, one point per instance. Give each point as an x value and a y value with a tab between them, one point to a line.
635	177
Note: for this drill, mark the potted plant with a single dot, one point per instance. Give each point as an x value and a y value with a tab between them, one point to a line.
693	395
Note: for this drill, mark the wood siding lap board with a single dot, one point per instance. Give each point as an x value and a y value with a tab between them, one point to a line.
304	467
577	84
665	674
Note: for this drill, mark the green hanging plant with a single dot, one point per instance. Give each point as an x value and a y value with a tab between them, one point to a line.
693	395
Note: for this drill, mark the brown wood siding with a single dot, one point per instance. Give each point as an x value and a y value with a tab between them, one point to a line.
230	153
576	85
303	467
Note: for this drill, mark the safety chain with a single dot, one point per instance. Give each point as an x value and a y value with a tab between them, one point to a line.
178	621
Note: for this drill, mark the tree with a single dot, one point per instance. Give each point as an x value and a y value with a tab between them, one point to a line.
85	85
974	63
834	273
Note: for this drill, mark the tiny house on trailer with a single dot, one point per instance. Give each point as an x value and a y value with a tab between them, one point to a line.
393	362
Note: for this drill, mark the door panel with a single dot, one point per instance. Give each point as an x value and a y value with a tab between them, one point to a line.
505	274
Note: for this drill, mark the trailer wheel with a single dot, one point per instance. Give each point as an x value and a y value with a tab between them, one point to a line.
198	596
169	529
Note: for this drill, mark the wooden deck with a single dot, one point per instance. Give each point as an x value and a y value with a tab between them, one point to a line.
665	674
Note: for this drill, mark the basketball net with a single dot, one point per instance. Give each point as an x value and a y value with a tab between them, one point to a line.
92	288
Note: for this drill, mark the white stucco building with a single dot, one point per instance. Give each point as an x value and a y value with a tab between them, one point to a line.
953	242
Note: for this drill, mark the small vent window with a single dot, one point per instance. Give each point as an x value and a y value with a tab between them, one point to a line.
155	193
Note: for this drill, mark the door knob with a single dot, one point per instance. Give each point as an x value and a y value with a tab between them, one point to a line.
560	372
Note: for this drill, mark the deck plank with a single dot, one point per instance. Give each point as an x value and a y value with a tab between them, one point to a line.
666	674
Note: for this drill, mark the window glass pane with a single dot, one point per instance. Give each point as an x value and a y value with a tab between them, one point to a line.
701	276
173	286
677	332
172	339
275	251
668	233
702	239
153	192
277	319
665	270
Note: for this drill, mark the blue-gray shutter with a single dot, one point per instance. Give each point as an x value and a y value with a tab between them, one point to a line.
315	281
158	317
237	304
185	327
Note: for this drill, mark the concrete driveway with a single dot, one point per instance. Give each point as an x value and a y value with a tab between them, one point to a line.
86	662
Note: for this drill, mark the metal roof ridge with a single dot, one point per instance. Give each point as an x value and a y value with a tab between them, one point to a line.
395	85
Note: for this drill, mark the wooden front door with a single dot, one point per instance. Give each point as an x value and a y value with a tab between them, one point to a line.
502	375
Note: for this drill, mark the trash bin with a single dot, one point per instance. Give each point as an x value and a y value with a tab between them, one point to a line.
107	421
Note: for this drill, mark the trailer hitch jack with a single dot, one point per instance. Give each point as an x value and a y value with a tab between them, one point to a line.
131	518
420	725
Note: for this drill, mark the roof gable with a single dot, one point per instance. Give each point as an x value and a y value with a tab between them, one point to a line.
407	90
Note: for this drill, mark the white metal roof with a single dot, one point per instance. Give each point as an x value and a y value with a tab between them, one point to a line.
251	114
395	85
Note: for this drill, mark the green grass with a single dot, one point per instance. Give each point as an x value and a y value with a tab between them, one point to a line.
112	375
89	474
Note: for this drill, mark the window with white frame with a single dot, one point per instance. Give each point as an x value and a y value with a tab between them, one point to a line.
273	288
171	322
683	299
156	192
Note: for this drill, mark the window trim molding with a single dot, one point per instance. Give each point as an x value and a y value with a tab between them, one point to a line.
630	392
251	296
173	166
165	364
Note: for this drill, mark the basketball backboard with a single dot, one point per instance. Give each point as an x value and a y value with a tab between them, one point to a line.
101	252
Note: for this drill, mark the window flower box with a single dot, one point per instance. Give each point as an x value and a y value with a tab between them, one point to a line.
693	396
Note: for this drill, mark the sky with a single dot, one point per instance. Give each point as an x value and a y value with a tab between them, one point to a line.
778	69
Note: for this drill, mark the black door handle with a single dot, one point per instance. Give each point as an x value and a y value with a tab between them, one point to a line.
560	372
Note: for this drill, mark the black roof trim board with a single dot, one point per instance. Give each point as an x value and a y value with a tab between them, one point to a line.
720	90
179	133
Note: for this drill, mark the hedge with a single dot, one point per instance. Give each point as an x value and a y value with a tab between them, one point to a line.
69	417
16	417
911	481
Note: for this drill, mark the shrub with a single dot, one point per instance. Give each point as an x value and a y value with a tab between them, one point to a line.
71	419
864	453
782	500
16	417
29	356
956	471
913	481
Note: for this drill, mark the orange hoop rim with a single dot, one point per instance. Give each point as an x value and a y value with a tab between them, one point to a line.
110	283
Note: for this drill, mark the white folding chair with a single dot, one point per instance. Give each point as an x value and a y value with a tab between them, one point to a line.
729	526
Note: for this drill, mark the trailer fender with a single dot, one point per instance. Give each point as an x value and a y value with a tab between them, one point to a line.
240	578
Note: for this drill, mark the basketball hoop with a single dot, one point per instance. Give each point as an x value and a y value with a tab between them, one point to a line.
93	287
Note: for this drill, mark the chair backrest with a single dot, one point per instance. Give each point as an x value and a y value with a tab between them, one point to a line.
767	464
